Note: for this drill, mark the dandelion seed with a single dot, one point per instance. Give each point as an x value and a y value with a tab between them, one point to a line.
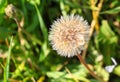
69	34
10	10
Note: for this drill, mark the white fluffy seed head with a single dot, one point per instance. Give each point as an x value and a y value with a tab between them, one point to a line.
10	11
69	34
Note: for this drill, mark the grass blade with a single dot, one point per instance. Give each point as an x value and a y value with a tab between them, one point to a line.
6	69
42	24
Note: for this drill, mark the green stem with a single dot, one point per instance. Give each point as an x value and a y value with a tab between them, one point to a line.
20	29
6	69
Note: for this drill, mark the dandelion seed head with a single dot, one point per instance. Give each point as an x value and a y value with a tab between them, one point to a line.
69	34
10	10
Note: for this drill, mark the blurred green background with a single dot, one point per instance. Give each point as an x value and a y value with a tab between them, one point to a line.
26	56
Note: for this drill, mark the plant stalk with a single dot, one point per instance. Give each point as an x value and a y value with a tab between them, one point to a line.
7	67
90	71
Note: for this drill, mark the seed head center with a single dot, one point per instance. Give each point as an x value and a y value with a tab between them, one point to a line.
70	35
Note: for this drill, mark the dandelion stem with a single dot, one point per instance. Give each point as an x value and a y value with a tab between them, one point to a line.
20	29
90	71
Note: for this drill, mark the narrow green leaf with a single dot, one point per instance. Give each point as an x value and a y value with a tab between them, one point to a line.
62	7
6	69
112	11
44	50
42	24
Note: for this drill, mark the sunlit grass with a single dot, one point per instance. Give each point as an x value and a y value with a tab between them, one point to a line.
7	67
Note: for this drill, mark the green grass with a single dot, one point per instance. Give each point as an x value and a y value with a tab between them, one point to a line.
32	57
7	67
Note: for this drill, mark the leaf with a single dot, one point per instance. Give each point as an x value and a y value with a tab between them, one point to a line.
112	11
105	29
33	25
80	71
7	67
44	52
18	70
42	24
62	7
93	80
34	2
55	74
106	35
4	32
106	41
3	3
77	72
102	72
117	70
